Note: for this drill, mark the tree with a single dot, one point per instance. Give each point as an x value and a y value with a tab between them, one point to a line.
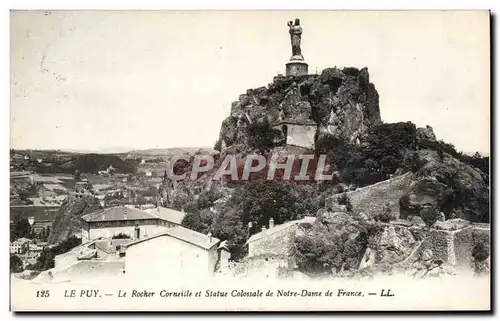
480	252
344	200
229	226
121	236
386	214
140	200
429	214
326	251
218	145
262	135
46	259
20	228
259	200
16	265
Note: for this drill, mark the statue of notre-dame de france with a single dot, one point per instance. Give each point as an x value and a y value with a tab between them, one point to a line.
295	35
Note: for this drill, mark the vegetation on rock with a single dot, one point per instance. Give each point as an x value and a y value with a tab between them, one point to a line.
16	264
68	220
20	227
46	259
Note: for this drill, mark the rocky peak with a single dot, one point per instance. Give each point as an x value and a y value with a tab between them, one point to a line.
342	103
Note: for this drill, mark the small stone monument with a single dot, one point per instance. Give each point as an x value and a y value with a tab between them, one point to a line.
296	66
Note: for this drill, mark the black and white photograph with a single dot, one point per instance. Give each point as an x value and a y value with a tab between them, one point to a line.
170	160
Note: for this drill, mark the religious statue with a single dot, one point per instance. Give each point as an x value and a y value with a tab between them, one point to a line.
295	35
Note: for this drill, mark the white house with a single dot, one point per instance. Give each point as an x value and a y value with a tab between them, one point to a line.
175	252
20	246
136	224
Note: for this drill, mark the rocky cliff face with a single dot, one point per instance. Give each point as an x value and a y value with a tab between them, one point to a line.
68	221
448	185
340	102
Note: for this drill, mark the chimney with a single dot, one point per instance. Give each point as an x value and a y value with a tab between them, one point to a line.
125	216
263	229
271	222
210	237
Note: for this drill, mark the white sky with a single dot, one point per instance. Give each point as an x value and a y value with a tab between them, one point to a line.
95	80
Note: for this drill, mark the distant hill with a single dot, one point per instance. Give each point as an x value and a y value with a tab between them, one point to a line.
169	151
91	163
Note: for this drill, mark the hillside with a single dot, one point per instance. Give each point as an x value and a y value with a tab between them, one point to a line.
68	221
377	164
40	161
168	151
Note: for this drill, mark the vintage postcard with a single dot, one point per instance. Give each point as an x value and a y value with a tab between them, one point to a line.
249	160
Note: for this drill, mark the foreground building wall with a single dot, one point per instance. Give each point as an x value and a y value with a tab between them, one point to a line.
144	228
166	255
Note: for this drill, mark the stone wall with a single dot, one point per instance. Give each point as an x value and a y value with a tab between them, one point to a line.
273	243
441	244
464	242
265	266
454	247
301	135
371	199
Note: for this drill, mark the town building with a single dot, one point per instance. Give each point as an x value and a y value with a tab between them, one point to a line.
41	226
135	223
269	250
277	240
20	246
17	159
35	250
82	185
176	251
298	133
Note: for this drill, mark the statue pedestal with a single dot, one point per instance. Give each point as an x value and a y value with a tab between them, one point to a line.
296	68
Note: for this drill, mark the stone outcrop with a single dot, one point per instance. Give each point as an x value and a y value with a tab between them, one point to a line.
388	244
372	200
447	185
353	235
340	102
427	266
451	225
68	220
426	133
421	251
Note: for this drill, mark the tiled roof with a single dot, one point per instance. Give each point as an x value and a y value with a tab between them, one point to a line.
118	213
22	240
183	234
168	214
278	228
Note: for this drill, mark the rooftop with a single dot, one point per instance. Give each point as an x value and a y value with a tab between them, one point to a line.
183	234
168	214
281	227
118	213
22	240
124	213
294	122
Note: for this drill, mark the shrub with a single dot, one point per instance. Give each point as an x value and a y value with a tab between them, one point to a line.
262	135
413	163
385	216
46	259
429	215
16	265
218	145
121	236
480	252
324	251
344	200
